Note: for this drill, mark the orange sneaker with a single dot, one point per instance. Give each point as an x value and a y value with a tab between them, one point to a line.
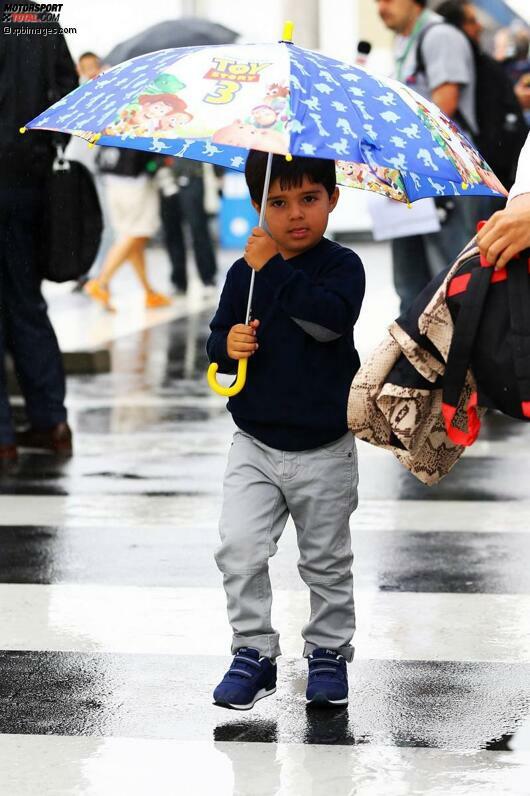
155	300
96	291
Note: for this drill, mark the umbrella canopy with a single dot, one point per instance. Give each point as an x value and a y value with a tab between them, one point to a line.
215	103
184	32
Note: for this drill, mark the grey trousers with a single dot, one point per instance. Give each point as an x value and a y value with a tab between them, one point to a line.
318	488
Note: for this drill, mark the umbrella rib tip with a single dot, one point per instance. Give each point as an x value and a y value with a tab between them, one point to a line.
288	27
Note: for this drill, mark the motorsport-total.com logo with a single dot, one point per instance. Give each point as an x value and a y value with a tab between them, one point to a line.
37	19
30	12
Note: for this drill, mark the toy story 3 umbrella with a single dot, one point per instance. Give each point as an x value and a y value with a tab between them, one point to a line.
215	103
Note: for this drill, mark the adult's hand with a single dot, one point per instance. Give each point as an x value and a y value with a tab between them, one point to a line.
506	233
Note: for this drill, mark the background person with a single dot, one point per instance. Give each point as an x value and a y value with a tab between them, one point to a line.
502	128
34	70
450	84
181	185
134	212
89	66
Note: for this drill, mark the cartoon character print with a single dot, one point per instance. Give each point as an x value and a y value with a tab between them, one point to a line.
277	98
163	113
129	122
379	179
271	113
443	131
264	117
242	134
156	112
484	171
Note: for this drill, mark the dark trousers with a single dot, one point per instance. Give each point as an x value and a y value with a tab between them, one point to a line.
25	329
187	206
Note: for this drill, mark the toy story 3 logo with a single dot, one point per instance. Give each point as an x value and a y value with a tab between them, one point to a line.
229	75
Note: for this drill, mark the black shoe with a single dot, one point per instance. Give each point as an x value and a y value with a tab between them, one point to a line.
80	284
57	439
8	453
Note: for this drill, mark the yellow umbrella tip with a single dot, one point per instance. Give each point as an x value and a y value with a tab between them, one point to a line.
288	28
465	186
288	156
22	130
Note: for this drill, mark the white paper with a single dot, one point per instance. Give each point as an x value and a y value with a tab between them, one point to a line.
392	219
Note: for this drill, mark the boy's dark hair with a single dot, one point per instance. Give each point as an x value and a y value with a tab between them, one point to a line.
291	173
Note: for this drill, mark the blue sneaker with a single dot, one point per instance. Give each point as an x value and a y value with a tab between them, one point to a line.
249	678
327	682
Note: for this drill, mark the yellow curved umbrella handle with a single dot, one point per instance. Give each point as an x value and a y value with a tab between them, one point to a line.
236	387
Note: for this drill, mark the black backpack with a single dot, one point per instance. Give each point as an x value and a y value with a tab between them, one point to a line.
502	129
491	314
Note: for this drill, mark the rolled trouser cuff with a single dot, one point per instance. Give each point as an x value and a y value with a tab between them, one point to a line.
268	645
347	651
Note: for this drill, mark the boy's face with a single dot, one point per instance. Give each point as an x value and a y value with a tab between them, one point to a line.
297	217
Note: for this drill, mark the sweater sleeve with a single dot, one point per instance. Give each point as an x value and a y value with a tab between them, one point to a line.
222	322
326	309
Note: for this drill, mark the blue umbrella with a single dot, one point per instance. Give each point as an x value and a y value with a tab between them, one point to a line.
215	103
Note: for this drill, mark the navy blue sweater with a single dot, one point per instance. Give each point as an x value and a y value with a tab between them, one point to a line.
298	380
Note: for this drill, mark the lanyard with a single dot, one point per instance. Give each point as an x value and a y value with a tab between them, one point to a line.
401	59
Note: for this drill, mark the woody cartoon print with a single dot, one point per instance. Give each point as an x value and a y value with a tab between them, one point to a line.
215	103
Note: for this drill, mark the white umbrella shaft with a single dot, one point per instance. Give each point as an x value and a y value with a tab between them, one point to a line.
260	224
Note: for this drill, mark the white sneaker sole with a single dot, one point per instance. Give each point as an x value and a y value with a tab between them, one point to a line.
320	699
261	694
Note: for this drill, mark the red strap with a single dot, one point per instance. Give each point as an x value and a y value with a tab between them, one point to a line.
457	436
458	284
483	262
525	406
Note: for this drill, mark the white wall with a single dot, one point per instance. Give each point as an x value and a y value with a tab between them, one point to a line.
101	23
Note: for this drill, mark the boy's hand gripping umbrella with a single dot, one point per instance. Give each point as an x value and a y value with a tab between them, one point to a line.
215	103
241	378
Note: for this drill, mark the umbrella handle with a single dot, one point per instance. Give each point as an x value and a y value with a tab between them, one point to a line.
236	387
239	383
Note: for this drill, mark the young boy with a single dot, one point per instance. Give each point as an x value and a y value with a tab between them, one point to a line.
292	452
